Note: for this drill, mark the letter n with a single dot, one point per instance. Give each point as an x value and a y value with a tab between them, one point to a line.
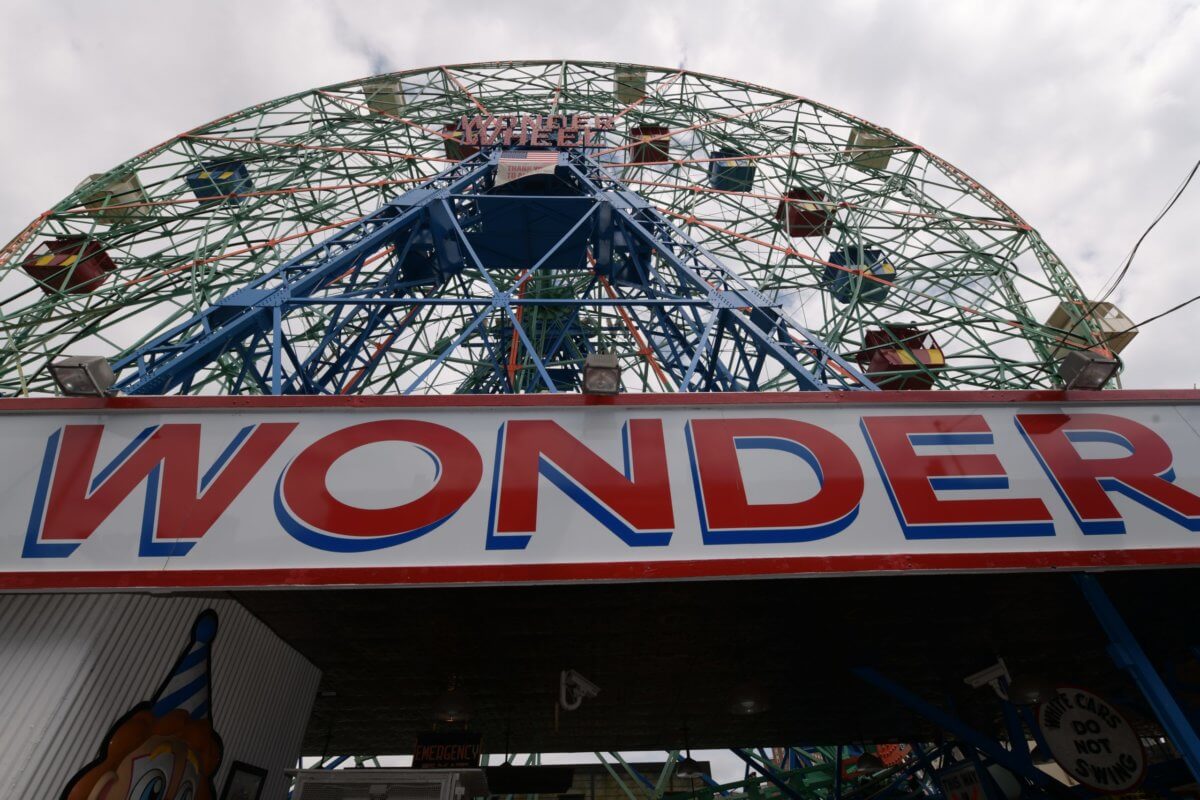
727	516
633	502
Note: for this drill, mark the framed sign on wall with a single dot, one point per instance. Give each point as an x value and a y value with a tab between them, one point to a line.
245	782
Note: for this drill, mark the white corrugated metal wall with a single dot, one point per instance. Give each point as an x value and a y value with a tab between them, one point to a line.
71	664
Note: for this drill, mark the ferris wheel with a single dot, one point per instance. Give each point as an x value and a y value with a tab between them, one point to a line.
379	236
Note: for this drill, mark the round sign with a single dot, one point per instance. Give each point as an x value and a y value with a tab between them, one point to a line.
1091	741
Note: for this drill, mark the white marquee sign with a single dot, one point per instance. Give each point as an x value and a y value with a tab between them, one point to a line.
302	491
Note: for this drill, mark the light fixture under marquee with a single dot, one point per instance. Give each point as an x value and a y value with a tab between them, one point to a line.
688	767
453	706
748	699
1029	691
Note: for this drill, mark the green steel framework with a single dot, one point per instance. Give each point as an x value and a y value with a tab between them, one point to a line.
808	773
969	270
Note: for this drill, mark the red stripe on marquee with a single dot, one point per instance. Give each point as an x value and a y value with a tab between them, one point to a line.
571	400
615	571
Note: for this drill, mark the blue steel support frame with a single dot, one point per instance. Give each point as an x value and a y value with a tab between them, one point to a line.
963	732
769	774
707	328
990	788
1127	654
925	762
698	270
173	357
920	762
1016	733
837	774
706	780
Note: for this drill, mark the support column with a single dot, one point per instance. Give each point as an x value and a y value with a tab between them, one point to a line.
963	732
1127	654
769	774
837	774
925	762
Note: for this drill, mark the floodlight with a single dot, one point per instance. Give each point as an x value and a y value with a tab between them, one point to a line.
1029	691
748	699
452	706
601	375
83	376
1087	369
688	767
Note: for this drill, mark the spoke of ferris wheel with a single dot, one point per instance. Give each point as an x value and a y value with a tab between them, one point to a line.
702	125
323	148
866	276
193	201
367	233
666	83
482	108
828	204
147	362
347	102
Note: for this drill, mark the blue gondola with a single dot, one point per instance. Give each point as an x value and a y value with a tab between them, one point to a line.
845	284
217	180
729	171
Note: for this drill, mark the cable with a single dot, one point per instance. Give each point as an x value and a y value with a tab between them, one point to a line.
1129	261
1148	320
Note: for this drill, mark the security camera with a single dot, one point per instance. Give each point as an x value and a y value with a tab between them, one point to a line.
585	687
995	676
572	688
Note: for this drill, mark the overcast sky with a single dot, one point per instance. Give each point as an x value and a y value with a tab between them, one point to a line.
1084	117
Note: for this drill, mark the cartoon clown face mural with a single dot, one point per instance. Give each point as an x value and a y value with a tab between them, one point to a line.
164	749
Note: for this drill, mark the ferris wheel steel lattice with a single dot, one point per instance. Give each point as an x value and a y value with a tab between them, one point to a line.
366	238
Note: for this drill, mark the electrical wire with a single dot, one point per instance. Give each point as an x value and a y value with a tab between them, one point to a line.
1129	261
1120	276
1148	320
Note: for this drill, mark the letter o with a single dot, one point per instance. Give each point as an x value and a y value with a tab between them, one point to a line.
311	514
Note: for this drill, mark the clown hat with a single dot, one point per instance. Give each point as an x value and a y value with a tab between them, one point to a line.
188	686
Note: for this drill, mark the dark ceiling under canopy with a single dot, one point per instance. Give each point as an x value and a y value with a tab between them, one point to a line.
671	656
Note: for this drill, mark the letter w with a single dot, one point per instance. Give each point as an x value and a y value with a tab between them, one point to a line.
635	503
72	499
